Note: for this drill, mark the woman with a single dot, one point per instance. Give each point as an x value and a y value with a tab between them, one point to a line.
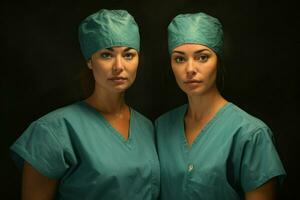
99	148
210	149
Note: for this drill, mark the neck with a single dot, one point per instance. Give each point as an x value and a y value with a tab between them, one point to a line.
205	106
107	102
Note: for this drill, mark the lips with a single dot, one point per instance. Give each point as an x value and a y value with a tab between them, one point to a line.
192	81
117	78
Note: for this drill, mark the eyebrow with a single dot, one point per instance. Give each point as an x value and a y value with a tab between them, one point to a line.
196	52
112	49
180	52
201	51
128	48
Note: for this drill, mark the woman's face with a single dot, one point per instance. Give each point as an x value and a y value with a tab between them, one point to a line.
195	68
114	68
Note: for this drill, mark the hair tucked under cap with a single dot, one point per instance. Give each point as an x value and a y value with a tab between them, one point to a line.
198	28
108	28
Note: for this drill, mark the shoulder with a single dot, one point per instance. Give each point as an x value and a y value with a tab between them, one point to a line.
61	112
244	117
59	117
142	120
50	129
246	124
172	115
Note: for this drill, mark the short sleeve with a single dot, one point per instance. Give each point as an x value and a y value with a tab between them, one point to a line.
39	147
260	161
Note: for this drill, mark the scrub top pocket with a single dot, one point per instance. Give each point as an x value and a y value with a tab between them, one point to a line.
208	186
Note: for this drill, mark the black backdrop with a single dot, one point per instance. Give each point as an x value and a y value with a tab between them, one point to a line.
41	65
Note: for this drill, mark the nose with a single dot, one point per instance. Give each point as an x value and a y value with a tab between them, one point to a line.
118	65
190	68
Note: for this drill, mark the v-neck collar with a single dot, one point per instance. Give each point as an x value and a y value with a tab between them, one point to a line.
203	132
114	132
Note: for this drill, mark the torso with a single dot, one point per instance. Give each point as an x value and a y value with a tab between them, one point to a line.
226	157
119	119
192	129
120	122
90	156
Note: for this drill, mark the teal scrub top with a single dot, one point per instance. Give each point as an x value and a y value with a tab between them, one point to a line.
233	154
92	161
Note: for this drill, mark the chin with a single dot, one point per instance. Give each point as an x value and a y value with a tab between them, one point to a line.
120	88
196	92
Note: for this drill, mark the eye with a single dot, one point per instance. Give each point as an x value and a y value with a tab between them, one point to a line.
105	55
128	56
202	57
179	59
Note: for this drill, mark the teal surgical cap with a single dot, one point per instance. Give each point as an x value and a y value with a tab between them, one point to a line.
198	28
108	28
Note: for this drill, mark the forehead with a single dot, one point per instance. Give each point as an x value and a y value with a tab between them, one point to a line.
191	48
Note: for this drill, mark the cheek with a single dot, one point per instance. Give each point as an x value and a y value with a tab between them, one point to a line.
177	72
98	76
211	74
133	65
99	65
100	71
132	69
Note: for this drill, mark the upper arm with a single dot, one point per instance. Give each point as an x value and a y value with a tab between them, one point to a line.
36	186
44	149
267	191
259	161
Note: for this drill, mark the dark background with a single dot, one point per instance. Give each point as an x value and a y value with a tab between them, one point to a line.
41	66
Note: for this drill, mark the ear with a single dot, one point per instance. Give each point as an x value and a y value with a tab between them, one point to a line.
89	63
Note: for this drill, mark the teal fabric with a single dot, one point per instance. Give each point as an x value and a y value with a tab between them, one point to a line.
197	28
108	28
233	154
92	160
